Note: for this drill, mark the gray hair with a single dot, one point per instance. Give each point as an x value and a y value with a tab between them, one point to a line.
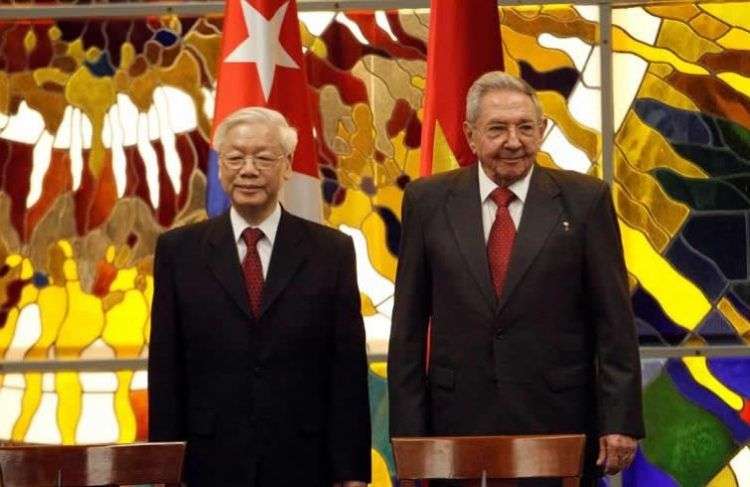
250	115
497	81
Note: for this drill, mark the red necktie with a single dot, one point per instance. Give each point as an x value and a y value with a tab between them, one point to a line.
502	234
253	269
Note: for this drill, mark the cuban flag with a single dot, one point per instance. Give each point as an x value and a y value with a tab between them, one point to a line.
261	64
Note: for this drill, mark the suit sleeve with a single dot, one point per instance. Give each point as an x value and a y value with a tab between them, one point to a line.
349	408
407	381
165	364
618	385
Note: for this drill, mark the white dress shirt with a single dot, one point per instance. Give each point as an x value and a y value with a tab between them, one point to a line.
519	188
269	226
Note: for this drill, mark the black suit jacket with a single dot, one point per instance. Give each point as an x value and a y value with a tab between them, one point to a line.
276	401
556	353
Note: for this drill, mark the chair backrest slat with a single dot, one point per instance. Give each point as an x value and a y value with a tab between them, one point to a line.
92	465
500	457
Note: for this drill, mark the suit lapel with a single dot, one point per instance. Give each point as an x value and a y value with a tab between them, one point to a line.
541	211
464	212
221	255
289	252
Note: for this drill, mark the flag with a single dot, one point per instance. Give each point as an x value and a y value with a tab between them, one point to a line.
261	64
464	43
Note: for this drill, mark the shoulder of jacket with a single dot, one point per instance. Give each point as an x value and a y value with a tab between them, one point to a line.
435	187
321	234
186	233
575	183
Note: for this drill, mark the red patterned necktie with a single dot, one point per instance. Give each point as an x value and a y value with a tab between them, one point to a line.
253	269
502	234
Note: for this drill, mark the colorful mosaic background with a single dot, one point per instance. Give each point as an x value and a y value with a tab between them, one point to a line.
681	171
682	168
697	427
103	137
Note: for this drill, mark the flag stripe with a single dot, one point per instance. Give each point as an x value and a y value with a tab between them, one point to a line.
464	43
217	201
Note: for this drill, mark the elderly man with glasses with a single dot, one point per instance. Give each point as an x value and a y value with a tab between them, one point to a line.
257	354
516	273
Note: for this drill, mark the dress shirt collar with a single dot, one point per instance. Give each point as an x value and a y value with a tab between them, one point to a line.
269	226
519	188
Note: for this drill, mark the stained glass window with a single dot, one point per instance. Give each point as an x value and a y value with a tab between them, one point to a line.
103	139
681	168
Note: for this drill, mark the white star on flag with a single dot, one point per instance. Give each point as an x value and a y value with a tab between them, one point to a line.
262	45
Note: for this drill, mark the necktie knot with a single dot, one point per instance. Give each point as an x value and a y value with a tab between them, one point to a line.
502	197
251	236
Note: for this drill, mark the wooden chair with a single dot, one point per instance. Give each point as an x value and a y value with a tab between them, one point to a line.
91	465
490	460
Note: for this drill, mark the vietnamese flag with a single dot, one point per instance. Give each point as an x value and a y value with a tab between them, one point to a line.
464	43
261	64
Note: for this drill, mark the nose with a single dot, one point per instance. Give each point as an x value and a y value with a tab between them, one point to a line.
249	169
512	142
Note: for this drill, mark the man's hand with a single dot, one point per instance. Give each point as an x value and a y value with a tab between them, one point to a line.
616	452
350	483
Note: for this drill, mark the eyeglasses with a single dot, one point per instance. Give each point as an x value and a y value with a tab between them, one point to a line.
262	162
525	130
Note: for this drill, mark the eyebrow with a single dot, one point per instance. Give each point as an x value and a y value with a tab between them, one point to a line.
241	149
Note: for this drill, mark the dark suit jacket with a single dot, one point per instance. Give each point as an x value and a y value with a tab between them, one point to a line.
279	401
556	353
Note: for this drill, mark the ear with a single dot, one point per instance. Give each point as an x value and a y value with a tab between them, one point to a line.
469	133
286	172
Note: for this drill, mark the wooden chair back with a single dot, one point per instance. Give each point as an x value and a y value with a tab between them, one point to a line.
490	460
91	465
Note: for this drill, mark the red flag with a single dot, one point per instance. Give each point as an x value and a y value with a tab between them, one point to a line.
262	65
464	43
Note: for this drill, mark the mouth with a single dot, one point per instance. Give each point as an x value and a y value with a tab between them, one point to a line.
512	160
248	189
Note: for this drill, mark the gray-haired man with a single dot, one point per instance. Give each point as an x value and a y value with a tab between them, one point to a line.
519	269
257	353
